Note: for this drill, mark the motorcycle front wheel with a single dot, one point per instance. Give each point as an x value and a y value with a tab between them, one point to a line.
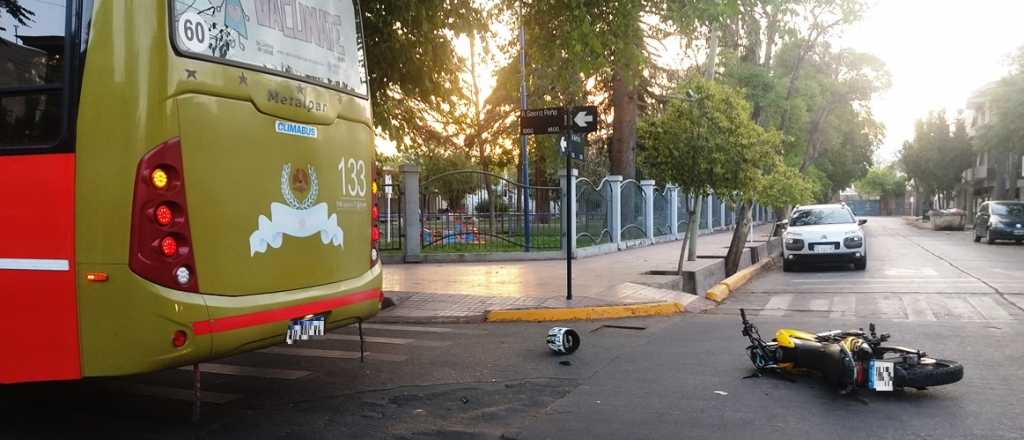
927	373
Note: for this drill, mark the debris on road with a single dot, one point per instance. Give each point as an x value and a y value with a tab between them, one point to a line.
721	393
563	340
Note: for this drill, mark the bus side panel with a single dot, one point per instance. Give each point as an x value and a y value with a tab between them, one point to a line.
37	278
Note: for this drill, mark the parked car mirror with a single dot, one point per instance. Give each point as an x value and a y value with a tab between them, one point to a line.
862	221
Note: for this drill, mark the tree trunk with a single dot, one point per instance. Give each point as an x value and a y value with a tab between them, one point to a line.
739	240
694	227
622	150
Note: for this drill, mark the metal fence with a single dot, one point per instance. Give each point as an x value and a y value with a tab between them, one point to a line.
476	211
593	225
392	231
632	210
662	214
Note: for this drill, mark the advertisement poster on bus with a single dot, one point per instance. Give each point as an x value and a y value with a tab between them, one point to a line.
316	40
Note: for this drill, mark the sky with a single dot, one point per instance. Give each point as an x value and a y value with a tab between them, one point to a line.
938	52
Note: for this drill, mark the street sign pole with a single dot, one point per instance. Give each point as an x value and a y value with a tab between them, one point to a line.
524	153
570	221
572	124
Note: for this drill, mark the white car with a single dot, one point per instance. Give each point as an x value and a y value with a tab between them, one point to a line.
824	234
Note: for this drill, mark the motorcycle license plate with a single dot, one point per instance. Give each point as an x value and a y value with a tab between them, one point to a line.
304	329
880	378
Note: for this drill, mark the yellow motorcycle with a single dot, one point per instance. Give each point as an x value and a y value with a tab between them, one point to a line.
848	359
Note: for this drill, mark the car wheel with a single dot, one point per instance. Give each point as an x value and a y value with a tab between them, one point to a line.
861	265
788	266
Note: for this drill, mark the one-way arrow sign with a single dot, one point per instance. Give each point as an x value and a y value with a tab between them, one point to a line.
583	119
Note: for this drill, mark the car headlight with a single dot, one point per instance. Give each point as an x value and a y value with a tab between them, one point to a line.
789	235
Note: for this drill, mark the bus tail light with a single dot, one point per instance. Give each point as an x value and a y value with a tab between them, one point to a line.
374	219
161	245
179	339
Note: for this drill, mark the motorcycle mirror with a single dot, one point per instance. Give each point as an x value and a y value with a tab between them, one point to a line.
871	327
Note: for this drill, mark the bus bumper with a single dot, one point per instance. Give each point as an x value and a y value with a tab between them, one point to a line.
128	324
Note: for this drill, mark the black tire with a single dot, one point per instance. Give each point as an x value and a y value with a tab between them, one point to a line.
788	266
941	372
861	265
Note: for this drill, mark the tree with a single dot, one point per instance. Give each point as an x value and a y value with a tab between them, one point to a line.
1004	136
708	141
415	71
16	11
440	178
882	182
937	156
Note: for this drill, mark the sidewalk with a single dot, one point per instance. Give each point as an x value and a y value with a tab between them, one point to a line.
465	291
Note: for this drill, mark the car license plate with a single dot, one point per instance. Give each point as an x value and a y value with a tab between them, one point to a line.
880	378
304	329
824	249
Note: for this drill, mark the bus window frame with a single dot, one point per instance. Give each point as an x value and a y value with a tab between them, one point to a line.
172	35
71	85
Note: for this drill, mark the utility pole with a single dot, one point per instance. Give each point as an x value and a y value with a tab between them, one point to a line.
524	154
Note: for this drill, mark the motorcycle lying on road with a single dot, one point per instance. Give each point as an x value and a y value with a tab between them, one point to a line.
848	359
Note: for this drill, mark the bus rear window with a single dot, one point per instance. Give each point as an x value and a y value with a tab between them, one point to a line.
314	40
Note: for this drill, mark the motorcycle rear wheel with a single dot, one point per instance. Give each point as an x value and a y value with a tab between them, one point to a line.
923	375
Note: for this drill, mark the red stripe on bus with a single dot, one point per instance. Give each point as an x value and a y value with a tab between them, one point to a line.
283	314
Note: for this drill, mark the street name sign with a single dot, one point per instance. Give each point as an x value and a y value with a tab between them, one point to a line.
542	121
583	119
574	143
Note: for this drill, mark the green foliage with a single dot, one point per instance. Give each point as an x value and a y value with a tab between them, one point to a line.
882	182
938	155
1005	133
707	141
484	206
783	186
439	178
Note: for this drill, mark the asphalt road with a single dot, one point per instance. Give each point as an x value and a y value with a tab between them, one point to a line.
637	378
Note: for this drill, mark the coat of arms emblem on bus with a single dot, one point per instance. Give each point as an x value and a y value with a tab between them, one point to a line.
297	218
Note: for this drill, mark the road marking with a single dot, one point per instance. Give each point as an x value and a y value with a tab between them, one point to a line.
818	305
178	393
34	264
843	305
380	340
917	308
239	370
961	309
988	307
777	305
333	354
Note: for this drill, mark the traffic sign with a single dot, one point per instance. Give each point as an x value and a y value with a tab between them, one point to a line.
542	121
574	142
583	119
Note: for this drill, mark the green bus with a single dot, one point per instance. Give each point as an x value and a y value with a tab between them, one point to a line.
181	180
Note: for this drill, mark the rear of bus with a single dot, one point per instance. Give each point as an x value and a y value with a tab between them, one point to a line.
212	181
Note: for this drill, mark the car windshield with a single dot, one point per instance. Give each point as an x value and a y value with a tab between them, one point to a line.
1013	210
821	216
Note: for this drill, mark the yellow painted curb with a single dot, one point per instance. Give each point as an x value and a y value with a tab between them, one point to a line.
586	313
719	292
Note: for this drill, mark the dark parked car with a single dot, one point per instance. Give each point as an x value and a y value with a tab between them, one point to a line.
999	221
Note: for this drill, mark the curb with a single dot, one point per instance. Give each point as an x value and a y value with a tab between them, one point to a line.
722	290
586	313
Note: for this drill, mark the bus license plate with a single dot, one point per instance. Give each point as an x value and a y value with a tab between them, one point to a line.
881	376
304	329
